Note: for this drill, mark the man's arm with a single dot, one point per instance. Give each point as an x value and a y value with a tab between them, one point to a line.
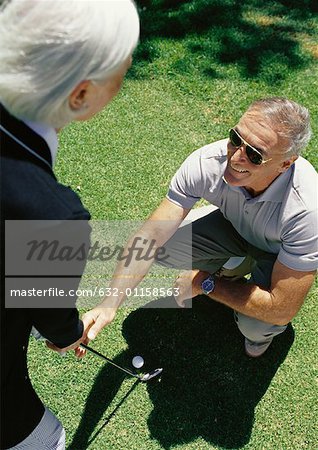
277	305
160	226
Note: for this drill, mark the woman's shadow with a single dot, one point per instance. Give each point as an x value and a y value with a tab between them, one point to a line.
209	387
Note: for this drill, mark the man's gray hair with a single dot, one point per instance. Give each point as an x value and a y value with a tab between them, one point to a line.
49	46
289	119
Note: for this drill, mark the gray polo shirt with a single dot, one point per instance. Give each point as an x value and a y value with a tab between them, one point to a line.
282	220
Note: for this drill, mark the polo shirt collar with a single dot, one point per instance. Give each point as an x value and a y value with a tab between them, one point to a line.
275	193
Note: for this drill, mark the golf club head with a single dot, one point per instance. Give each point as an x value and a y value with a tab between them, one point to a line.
148	376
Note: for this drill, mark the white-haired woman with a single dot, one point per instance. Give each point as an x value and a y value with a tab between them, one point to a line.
60	60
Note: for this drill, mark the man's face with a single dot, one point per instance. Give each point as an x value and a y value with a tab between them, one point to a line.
240	171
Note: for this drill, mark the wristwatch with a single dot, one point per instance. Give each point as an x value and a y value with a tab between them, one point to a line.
208	285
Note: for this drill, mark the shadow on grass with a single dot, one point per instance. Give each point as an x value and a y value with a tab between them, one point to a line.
219	32
105	388
209	388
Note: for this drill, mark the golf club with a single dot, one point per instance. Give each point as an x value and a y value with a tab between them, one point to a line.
148	376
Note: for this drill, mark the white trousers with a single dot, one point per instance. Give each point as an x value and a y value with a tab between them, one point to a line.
48	435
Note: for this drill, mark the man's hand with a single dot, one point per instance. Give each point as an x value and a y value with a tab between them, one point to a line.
189	285
96	319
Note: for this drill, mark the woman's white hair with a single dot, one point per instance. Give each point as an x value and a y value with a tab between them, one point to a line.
49	46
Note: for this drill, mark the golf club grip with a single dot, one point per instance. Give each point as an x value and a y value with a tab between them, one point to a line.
90	349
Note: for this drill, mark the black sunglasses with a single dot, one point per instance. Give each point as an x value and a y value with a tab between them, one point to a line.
254	155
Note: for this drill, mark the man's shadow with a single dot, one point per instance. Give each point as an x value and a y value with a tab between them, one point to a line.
209	387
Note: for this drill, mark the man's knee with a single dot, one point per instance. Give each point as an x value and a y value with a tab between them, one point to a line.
237	267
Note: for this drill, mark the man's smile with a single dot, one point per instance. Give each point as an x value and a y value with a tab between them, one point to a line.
237	169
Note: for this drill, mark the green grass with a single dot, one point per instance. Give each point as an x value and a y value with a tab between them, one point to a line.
198	66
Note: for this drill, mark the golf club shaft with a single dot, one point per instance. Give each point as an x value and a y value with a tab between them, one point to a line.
109	360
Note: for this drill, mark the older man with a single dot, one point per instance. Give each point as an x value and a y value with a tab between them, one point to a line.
266	196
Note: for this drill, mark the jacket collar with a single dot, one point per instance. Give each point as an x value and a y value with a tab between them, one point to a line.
24	135
48	133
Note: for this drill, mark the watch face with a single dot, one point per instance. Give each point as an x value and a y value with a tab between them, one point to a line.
207	285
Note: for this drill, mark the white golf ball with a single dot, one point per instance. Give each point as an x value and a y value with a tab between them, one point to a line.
138	362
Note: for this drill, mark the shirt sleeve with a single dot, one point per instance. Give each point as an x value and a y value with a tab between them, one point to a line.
187	185
299	249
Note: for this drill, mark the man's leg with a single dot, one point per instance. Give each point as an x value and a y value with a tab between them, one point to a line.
214	241
206	244
259	334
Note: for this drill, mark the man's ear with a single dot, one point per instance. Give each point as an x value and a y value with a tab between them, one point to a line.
78	98
286	164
